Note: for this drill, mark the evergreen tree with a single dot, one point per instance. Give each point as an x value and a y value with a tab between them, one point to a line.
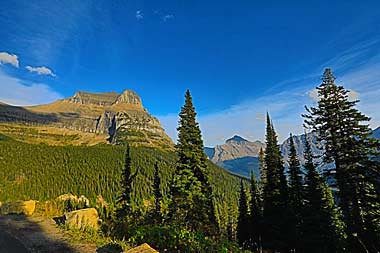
262	166
124	209
255	215
157	194
345	135
243	228
322	229
296	195
192	202
274	195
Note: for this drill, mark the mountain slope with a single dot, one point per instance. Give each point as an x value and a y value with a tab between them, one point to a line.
86	118
42	172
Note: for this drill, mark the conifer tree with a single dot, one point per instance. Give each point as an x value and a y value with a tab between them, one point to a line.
124	200
274	195
322	228
124	209
296	195
255	215
262	166
345	134
157	194
243	228
192	202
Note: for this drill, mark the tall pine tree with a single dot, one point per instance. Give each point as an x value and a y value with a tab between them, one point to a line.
296	196
275	195
124	209
321	230
345	134
192	203
243	225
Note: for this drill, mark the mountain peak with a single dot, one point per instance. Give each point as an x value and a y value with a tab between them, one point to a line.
106	98
236	138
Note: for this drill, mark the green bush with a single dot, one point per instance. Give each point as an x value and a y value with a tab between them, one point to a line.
175	239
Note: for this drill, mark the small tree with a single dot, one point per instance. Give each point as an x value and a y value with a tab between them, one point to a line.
157	194
296	196
255	215
243	228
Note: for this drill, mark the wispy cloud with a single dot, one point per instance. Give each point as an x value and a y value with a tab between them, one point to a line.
139	15
16	91
313	94
357	69
6	58
41	70
167	17
247	118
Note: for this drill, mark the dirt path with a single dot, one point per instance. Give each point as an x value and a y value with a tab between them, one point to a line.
8	244
37	234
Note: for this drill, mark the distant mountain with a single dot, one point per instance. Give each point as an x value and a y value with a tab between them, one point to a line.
237	155
376	133
85	119
240	156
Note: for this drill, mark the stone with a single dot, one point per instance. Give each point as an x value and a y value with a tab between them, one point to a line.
18	207
143	248
82	219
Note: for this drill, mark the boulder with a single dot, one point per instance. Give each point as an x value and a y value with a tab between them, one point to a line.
82	219
18	207
143	248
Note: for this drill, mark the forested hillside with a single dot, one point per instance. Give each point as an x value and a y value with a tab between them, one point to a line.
42	172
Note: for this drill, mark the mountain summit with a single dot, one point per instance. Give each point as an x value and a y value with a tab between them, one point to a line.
86	118
236	138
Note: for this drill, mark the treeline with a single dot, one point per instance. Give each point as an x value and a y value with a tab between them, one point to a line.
294	210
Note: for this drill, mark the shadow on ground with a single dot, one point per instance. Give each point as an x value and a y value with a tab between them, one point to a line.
19	233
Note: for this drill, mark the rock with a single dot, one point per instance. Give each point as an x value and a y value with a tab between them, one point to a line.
29	207
82	219
18	207
143	248
129	97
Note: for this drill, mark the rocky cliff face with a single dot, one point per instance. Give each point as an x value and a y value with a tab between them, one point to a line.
119	117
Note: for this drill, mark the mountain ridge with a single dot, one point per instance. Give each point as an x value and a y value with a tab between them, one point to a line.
237	158
114	117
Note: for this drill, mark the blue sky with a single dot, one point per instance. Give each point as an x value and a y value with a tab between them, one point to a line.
238	58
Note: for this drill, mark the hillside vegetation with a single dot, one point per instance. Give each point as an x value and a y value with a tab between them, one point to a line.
42	172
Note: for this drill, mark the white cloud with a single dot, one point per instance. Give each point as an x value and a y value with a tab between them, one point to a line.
167	17
139	15
6	58
313	95
15	91
248	118
41	70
